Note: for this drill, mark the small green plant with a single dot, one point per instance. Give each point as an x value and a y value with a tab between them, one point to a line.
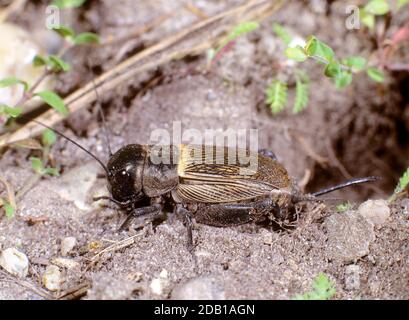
322	289
40	165
402	185
9	203
343	207
52	64
228	42
64	4
374	8
277	95
340	70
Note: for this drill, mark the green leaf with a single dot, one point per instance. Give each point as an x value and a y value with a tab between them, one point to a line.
343	79
57	64
343	207
277	96
296	53
403	182
9	111
8	82
243	28
332	69
282	33
367	19
355	63
322	289
53	100
301	95
63	4
65	32
317	48
377	7
239	30
52	171
37	165
375	74
9	210
48	138
86	37
39	61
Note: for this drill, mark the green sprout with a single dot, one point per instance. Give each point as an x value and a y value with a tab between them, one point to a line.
402	185
341	71
322	289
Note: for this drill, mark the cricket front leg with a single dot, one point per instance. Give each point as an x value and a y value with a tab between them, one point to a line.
149	213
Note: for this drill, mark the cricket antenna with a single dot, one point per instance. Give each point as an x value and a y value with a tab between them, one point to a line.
104	125
77	144
348	183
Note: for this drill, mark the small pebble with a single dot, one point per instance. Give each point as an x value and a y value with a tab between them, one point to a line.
157	285
52	278
202	288
14	262
375	211
67	244
211	95
65	263
352	277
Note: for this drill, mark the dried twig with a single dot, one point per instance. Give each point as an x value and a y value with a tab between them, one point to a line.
10	192
190	41
76	292
28	285
116	246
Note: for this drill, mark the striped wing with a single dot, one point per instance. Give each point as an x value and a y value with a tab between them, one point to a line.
210	174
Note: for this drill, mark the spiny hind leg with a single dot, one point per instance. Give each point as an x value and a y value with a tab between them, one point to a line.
225	215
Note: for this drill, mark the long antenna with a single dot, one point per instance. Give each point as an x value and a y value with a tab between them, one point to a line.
104	125
77	144
345	184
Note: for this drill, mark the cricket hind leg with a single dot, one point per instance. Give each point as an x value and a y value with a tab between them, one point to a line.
227	215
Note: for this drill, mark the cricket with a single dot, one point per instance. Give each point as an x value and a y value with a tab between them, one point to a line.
162	151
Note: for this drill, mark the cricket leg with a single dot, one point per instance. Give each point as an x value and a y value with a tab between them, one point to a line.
188	221
224	215
149	213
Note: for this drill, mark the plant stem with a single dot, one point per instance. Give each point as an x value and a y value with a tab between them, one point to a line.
319	59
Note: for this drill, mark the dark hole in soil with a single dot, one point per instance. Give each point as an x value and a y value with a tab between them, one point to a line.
378	146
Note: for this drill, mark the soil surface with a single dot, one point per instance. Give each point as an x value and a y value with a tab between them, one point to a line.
362	130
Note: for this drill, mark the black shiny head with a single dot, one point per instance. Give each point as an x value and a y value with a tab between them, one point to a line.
125	170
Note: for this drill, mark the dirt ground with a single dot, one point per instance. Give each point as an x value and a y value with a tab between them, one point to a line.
360	131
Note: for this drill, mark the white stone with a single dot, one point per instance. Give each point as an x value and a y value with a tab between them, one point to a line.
14	262
52	278
202	288
375	211
352	277
163	274
65	263
67	244
156	286
75	185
